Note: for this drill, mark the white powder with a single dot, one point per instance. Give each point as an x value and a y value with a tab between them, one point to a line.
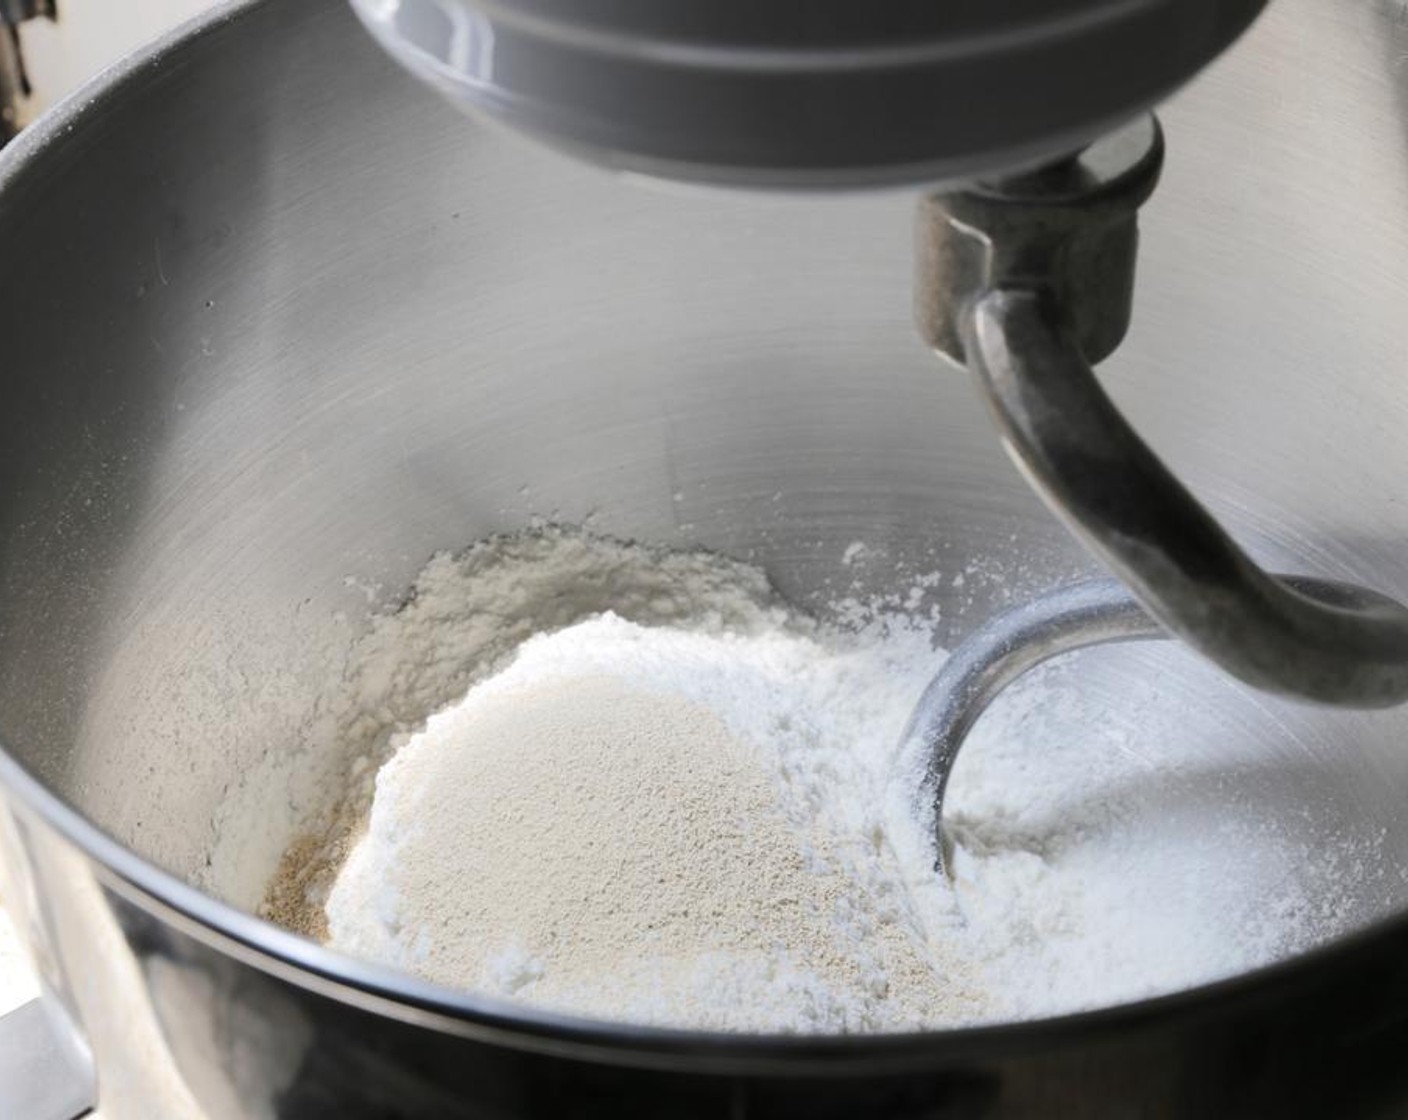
587	844
656	795
465	614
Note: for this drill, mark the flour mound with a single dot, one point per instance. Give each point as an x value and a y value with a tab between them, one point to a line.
583	833
633	784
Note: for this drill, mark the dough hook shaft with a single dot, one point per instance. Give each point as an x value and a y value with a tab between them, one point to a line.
1027	282
1129	510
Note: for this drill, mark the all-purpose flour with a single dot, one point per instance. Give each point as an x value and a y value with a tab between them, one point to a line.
648	791
633	820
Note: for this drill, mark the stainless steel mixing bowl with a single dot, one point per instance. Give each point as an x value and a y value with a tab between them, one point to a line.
271	317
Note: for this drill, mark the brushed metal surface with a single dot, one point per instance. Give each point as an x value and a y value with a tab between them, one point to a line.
273	317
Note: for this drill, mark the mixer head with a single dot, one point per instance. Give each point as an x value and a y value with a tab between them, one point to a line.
809	93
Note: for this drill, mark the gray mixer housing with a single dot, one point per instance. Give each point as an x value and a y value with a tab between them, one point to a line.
809	93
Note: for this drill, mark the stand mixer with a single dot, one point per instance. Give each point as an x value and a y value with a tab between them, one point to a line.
1031	117
278	318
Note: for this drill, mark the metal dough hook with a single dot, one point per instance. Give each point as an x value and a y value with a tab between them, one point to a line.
1028	281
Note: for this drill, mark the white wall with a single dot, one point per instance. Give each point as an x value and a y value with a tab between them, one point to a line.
90	35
